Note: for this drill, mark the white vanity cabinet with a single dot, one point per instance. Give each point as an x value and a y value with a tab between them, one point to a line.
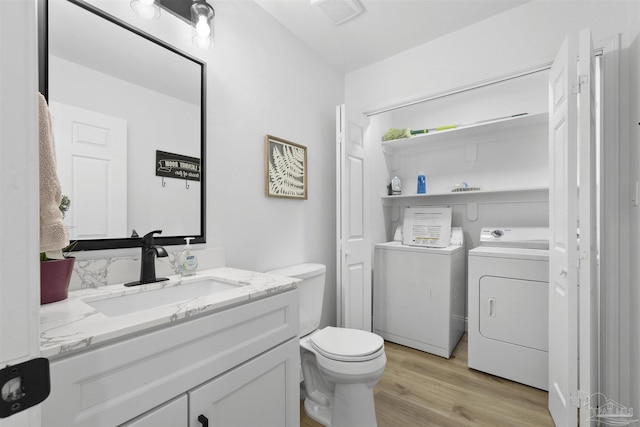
237	367
257	393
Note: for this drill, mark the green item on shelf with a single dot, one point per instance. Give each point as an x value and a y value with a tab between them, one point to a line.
394	133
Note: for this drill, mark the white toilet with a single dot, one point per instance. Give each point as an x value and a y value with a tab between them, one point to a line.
340	366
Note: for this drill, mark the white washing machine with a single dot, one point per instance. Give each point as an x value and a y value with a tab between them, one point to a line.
508	304
419	295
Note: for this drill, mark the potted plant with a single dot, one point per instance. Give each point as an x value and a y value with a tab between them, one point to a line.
56	268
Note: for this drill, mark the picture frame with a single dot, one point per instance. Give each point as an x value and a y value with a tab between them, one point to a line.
285	168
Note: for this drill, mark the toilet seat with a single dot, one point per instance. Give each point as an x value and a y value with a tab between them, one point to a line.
347	345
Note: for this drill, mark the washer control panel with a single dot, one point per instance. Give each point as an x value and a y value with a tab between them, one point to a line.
497	233
515	237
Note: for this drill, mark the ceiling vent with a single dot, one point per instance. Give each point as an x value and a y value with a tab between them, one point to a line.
339	11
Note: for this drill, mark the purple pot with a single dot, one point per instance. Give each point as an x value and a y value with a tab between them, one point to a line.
55	276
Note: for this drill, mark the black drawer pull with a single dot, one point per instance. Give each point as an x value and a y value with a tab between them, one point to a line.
203	420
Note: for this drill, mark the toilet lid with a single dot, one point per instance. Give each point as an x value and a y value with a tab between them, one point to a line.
346	344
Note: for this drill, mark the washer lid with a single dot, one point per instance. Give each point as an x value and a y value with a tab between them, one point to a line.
398	246
346	344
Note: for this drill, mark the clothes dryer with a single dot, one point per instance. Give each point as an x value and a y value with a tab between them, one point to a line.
508	304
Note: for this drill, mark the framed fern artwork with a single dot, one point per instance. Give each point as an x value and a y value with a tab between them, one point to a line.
285	168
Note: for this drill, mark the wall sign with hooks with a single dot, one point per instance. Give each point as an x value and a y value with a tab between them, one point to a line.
170	165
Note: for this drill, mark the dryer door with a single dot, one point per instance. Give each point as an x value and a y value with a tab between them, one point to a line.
515	311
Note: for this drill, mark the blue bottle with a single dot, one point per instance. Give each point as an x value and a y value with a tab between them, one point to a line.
422	183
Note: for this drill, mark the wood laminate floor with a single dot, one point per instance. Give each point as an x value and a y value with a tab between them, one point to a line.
420	389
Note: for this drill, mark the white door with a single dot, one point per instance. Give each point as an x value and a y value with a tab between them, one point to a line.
588	242
19	219
91	152
573	313
353	228
563	272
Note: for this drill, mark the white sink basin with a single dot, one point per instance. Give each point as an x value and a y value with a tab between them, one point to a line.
138	301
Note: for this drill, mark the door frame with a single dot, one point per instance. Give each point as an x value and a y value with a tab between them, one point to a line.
588	281
19	183
614	234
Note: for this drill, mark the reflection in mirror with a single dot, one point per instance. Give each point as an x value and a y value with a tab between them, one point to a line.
116	98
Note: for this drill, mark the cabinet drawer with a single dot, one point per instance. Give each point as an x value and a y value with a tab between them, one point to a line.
172	414
114	383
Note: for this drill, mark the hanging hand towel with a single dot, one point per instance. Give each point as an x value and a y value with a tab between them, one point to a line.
53	233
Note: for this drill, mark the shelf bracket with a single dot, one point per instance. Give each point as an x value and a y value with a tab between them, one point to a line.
395	213
472	212
472	153
391	158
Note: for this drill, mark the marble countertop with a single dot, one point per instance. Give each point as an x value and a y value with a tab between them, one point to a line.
73	324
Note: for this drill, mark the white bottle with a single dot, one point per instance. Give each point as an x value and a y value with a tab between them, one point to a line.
188	260
396	186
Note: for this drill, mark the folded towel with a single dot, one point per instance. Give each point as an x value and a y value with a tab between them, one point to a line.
53	233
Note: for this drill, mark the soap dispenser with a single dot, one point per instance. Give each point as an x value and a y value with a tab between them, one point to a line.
188	260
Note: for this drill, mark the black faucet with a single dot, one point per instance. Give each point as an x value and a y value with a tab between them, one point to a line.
148	260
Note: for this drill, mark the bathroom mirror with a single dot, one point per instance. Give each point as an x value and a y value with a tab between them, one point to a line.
127	110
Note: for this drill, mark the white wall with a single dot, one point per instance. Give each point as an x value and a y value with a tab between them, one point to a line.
262	80
265	81
512	41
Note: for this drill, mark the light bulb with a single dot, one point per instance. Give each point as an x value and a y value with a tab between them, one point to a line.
146	9
146	12
202	27
202	42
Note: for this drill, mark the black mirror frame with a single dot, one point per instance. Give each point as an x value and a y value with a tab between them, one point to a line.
43	72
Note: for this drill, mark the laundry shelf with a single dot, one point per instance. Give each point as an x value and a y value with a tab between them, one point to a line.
386	199
470	135
469	198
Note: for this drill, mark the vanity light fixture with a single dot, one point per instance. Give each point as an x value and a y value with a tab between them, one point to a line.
147	9
198	13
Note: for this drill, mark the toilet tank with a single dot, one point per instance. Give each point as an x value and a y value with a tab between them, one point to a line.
310	290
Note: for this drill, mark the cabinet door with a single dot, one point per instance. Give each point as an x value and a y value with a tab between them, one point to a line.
170	414
261	392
